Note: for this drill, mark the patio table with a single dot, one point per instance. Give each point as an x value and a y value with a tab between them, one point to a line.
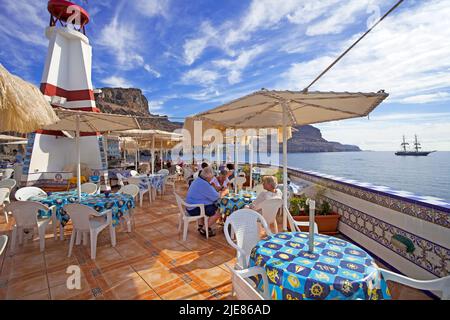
155	180
336	270
120	204
233	202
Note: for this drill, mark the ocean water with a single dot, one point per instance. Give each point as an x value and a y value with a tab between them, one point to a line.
426	176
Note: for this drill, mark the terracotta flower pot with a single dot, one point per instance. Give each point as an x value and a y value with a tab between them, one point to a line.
327	224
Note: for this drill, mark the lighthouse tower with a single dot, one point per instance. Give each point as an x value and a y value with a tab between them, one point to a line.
66	83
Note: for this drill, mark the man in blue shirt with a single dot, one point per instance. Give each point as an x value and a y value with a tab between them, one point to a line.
202	192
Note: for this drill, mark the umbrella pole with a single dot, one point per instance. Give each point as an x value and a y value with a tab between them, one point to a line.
236	163
153	154
285	189
77	141
136	160
162	156
218	156
250	159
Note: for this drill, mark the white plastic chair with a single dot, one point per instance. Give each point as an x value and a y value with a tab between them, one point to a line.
121	179
185	218
245	288
240	182
7	174
25	214
244	224
258	189
295	225
187	173
136	181
134	173
4	197
165	172
86	221
171	180
8	183
132	190
3	242
441	285
269	210
89	188
23	194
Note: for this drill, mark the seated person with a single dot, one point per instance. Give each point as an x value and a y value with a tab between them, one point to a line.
230	168
202	192
270	184
17	156
221	182
203	166
172	169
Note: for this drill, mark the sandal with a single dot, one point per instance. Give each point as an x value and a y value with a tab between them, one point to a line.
202	231
211	233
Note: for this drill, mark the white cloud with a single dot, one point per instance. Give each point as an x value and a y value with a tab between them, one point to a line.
152	71
151	8
121	39
327	16
237	65
117	82
404	55
203	95
193	48
336	22
199	76
154	106
427	98
32	16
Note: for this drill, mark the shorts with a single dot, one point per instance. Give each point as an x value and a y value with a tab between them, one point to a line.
210	210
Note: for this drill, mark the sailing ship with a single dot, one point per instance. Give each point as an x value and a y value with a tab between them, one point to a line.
415	152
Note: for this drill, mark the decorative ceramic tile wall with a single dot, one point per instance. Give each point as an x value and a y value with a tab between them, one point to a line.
430	209
427	255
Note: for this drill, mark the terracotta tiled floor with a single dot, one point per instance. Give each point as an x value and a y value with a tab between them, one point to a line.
152	262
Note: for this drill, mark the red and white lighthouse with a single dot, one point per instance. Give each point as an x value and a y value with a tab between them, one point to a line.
66	82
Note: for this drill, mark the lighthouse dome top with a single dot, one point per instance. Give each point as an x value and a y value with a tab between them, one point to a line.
67	12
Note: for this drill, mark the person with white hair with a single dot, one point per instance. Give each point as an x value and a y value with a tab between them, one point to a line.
202	192
270	184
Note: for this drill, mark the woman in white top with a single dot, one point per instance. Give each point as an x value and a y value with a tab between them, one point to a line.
221	182
270	192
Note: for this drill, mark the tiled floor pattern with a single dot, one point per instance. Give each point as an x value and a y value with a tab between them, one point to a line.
150	263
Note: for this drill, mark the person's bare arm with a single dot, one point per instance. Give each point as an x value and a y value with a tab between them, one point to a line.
223	193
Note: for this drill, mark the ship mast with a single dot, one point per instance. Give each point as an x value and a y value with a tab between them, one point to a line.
416	144
404	144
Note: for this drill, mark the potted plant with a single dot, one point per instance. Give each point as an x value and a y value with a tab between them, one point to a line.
327	220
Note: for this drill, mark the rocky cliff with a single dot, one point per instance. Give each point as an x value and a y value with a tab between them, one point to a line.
309	139
132	102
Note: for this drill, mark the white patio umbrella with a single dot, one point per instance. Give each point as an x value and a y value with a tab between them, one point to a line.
150	138
83	121
284	109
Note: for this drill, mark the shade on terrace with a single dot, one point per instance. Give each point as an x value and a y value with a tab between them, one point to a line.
285	109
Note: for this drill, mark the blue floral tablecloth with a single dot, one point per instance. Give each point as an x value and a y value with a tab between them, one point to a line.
155	180
120	204
233	202
336	270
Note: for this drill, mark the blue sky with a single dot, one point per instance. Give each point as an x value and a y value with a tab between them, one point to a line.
189	56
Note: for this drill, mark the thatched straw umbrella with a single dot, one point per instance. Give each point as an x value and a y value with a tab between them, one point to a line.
23	107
